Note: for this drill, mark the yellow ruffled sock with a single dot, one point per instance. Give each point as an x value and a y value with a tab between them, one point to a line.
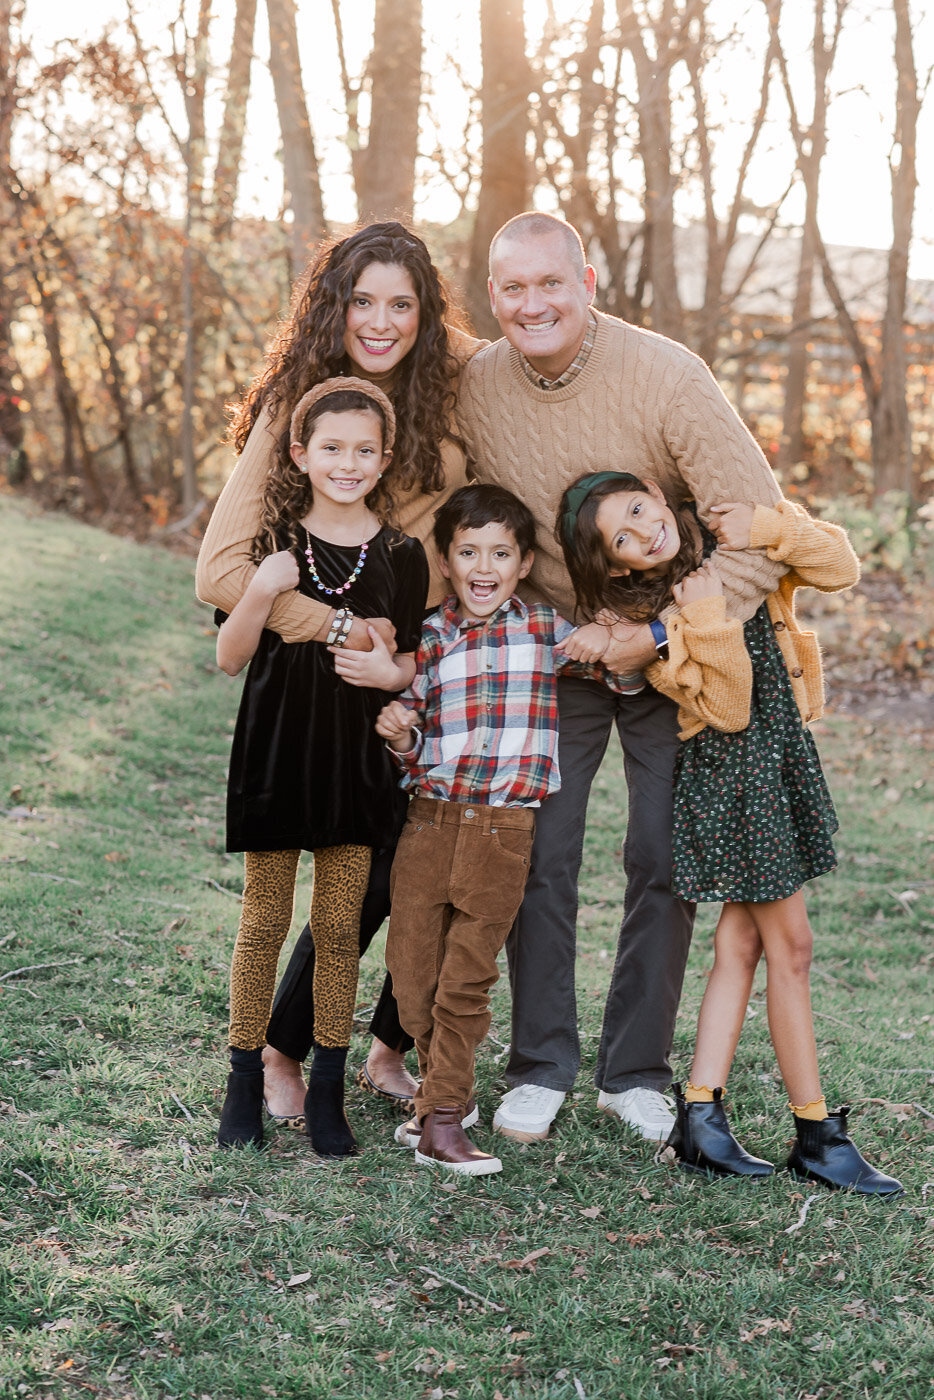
815	1112
697	1093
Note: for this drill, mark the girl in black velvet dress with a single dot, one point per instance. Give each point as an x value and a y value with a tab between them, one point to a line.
307	769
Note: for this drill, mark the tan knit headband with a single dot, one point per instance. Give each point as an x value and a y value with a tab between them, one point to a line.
334	386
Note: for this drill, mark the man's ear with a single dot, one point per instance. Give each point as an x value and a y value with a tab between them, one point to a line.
527	561
590	281
489	287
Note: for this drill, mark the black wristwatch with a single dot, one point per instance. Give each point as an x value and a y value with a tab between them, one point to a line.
660	637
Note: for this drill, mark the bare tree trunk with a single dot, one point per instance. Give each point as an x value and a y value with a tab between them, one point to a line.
230	148
591	203
193	75
504	181
653	79
721	241
302	181
810	145
66	397
12	452
388	165
891	431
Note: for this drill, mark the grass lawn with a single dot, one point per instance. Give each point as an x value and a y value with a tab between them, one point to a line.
136	1260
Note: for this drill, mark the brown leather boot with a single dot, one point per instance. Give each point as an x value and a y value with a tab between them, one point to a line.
409	1134
443	1143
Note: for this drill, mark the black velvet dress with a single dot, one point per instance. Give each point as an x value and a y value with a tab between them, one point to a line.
307	768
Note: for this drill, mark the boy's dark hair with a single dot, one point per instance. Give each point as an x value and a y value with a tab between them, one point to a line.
472	507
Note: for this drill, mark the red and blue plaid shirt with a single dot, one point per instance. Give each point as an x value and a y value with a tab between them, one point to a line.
485	705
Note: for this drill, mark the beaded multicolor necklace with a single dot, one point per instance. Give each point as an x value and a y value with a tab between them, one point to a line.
309	555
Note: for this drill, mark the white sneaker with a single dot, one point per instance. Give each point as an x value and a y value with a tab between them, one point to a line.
527	1113
645	1110
409	1134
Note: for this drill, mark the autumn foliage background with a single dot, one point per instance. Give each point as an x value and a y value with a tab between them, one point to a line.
141	281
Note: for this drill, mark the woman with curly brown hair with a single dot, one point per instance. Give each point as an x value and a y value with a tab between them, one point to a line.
371	305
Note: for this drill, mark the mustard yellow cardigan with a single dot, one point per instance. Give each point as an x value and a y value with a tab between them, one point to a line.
708	671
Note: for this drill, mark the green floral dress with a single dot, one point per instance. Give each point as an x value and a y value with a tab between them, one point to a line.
753	817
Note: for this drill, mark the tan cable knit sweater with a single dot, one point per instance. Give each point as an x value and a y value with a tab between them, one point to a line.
224	566
641	404
708	671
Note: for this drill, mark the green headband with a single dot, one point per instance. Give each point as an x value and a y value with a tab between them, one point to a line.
577	494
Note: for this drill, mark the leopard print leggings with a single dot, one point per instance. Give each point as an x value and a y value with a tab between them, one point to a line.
341	875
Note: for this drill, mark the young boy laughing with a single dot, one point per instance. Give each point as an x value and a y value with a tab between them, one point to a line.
476	737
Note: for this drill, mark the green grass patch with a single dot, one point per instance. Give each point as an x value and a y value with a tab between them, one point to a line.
137	1261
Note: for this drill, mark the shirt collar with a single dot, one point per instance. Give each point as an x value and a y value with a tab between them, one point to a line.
458	623
573	369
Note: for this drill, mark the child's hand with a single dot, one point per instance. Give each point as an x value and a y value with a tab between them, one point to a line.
394	724
373	668
731	522
277	573
588	643
702	583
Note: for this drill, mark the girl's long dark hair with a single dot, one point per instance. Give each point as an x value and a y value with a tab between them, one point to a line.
309	347
634	596
288	495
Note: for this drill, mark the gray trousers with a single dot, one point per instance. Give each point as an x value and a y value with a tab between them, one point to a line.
645	987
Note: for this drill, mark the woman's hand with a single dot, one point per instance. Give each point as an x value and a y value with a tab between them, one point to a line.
731	522
394	724
702	583
375	668
588	643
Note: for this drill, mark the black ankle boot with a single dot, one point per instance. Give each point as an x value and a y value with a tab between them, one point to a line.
242	1114
325	1121
823	1152
702	1141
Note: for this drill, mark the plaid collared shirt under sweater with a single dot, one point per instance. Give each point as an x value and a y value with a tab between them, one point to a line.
485	705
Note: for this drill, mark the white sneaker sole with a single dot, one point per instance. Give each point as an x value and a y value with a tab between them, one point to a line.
485	1167
521	1134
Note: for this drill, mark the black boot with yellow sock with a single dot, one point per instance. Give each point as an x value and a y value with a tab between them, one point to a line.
824	1152
701	1138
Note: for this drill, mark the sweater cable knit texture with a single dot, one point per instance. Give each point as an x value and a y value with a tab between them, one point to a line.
641	404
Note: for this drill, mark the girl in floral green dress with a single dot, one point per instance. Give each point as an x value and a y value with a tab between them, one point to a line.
753	819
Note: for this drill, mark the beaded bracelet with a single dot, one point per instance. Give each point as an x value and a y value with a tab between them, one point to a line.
346	624
337	622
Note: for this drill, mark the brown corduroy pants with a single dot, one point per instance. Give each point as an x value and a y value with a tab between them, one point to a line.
456	886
